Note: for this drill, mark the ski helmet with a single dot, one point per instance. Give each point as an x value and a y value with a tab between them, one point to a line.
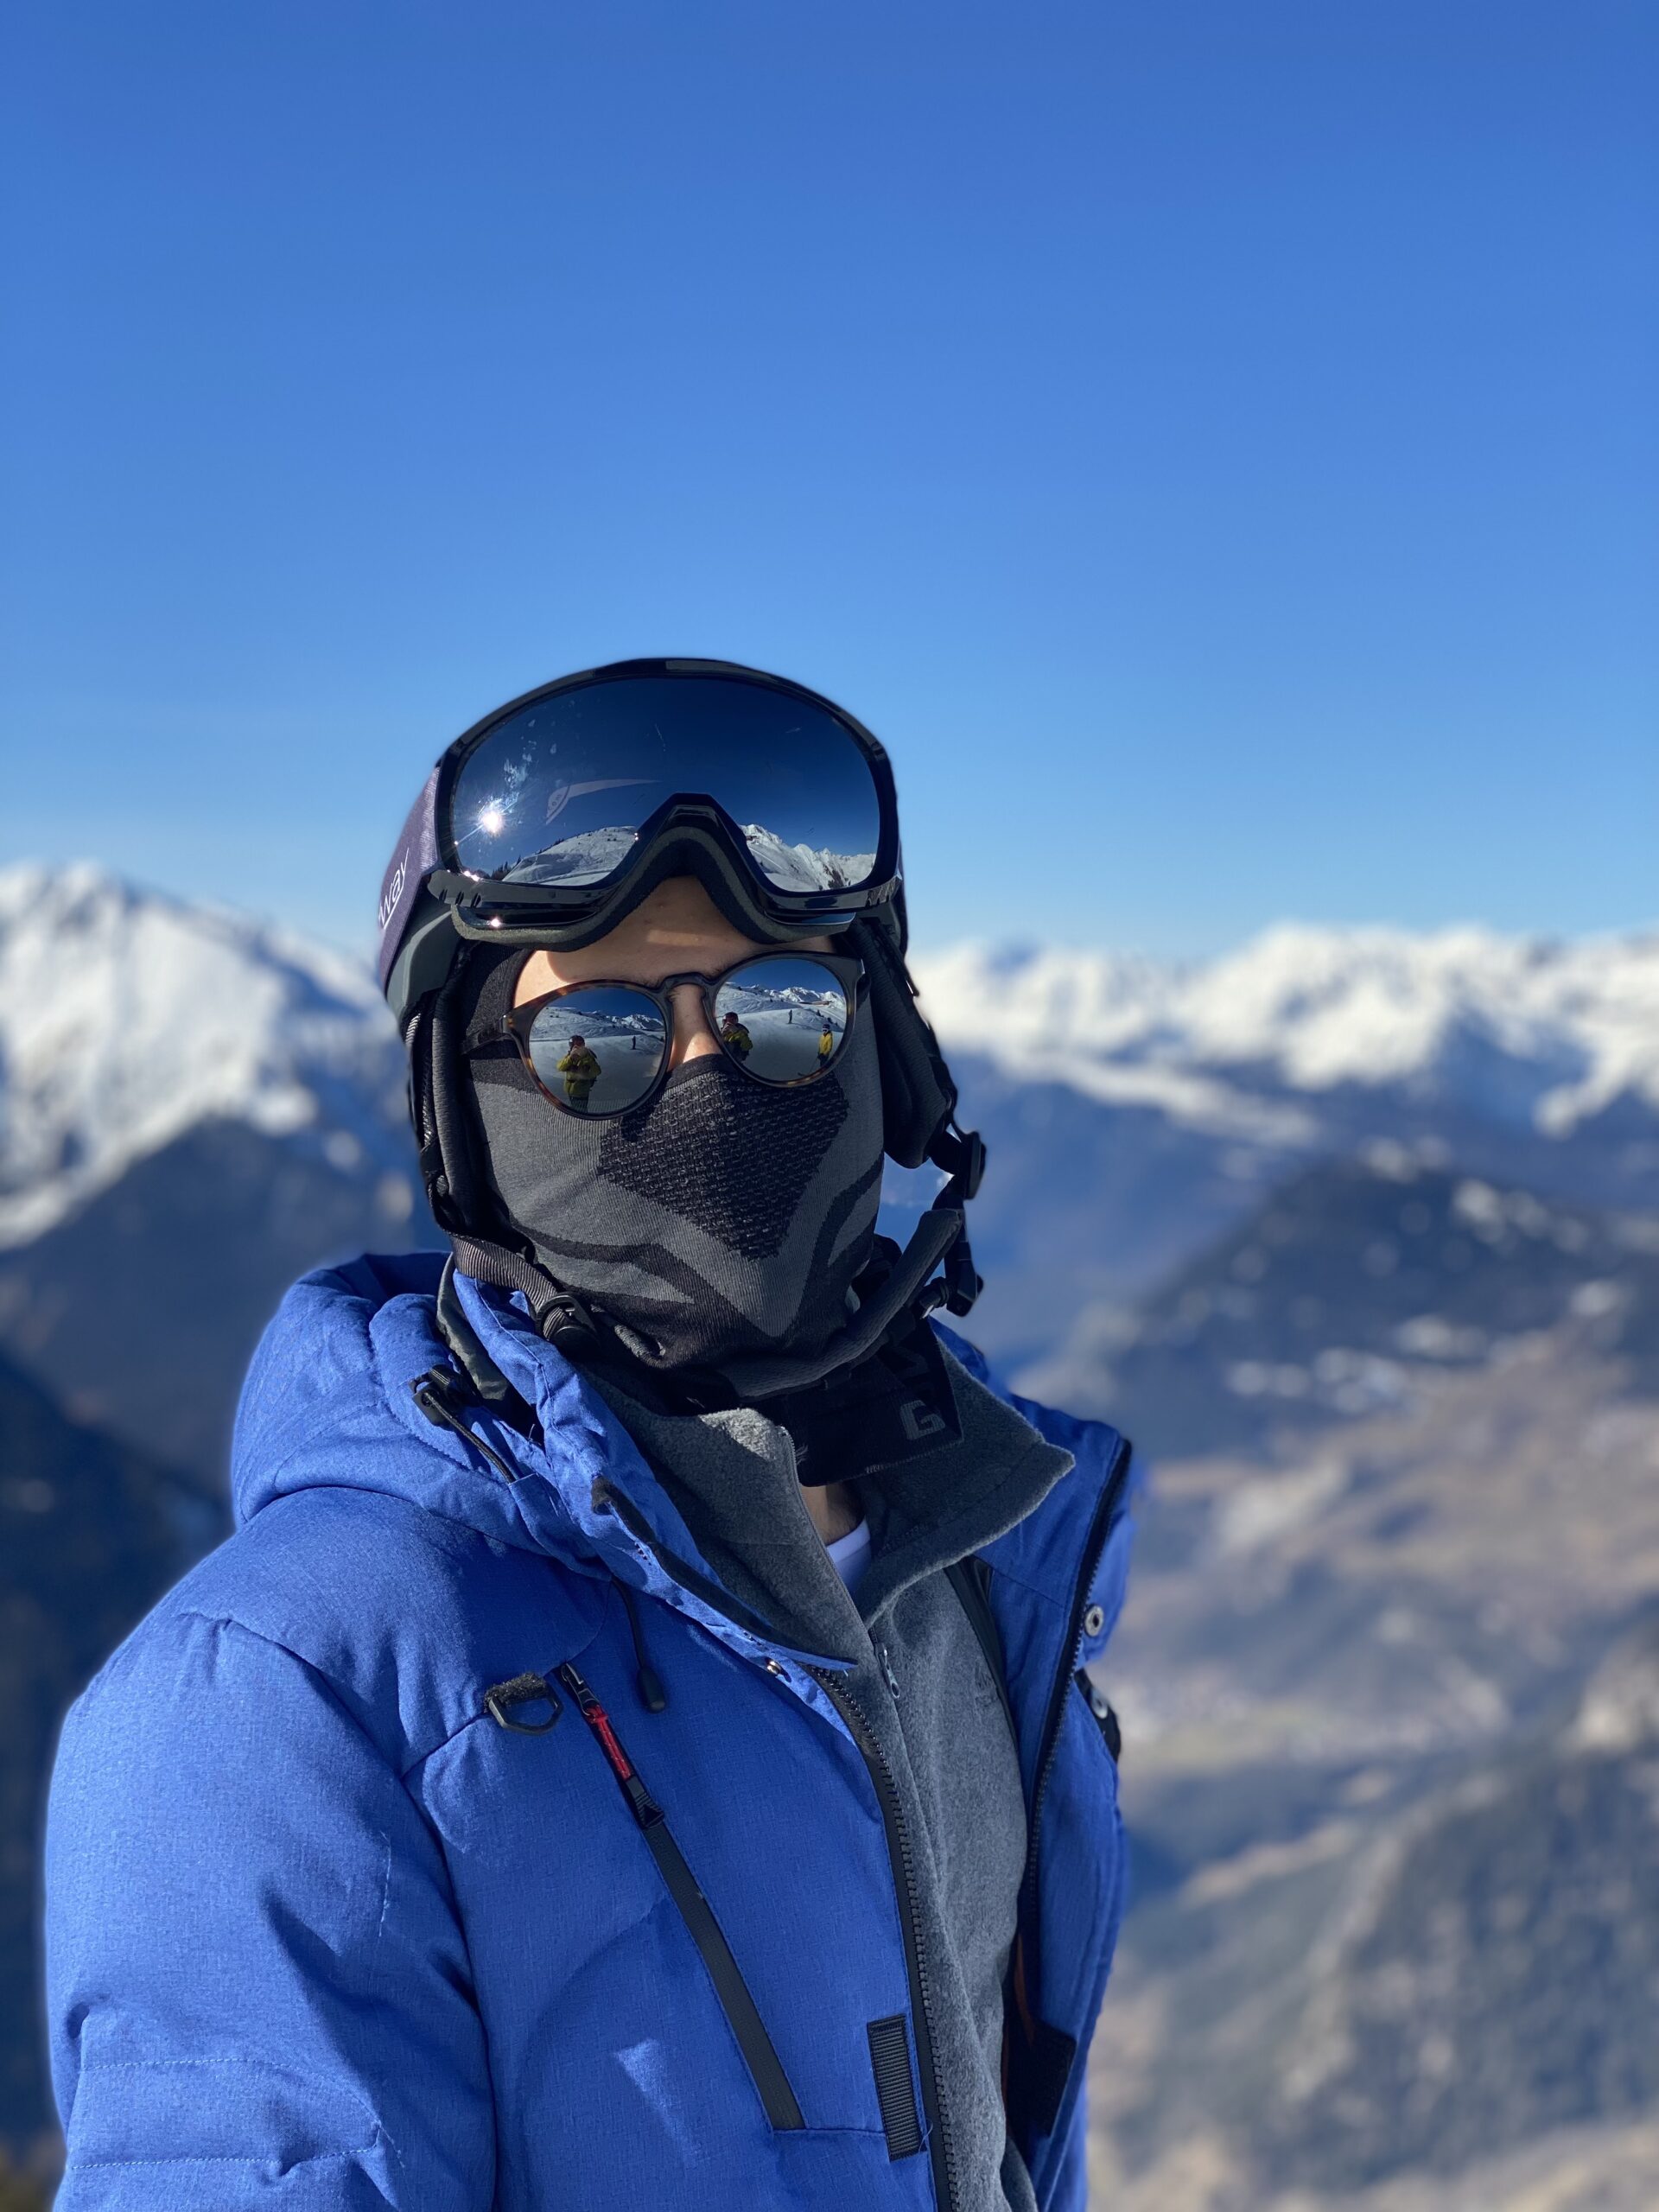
554	816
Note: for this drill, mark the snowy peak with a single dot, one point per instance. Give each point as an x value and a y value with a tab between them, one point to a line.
804	868
126	1018
1541	1034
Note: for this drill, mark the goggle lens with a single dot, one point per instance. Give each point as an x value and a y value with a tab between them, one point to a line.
558	792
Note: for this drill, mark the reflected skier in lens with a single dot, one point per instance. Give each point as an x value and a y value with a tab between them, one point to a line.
735	1037
581	1071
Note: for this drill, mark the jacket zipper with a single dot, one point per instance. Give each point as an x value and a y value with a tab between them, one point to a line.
904	1881
1065	1679
1099	1527
765	2068
899	1847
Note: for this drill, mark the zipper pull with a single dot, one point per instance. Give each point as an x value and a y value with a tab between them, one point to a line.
643	1806
887	1674
523	1690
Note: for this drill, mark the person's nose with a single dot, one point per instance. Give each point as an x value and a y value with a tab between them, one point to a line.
693	1038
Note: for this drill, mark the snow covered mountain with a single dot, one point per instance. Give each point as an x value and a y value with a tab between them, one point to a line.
193	1110
1547	1036
1137	1113
590	856
127	1019
184	1091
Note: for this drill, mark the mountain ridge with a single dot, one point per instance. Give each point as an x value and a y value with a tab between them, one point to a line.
129	1016
1553	1032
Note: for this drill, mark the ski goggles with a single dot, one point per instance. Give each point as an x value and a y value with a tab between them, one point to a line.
560	806
600	1048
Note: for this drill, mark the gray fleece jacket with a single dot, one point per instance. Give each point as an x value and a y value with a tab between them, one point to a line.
922	1680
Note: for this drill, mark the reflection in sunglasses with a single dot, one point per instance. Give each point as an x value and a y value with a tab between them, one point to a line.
602	1048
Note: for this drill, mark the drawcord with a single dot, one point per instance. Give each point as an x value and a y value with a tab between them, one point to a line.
429	1392
653	1694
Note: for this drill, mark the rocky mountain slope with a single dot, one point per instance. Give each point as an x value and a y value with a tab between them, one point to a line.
1390	1684
1404	1981
193	1110
1357	1282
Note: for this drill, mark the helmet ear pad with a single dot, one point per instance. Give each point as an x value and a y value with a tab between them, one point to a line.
919	1096
440	1107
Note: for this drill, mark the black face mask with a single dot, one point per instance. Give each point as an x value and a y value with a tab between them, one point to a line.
721	1220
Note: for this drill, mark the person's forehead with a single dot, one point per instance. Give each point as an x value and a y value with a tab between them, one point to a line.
677	928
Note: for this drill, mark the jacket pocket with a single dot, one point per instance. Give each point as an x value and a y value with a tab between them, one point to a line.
765	2068
1105	1718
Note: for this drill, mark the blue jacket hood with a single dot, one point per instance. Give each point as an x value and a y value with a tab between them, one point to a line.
329	1402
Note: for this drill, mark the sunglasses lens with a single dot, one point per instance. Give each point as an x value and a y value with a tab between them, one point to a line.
782	1019
598	1052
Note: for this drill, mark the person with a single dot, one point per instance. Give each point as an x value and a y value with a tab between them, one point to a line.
826	1041
638	1747
735	1037
581	1071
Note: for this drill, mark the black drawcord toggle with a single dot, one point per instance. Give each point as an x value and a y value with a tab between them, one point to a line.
652	1695
434	1393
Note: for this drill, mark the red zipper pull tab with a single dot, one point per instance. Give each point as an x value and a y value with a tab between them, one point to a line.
644	1807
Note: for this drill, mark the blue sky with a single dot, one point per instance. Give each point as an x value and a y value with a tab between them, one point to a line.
1215	445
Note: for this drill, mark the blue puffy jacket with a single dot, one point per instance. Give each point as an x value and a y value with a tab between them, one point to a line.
323	1932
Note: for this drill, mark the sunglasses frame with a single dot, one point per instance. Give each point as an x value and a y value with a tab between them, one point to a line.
848	971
